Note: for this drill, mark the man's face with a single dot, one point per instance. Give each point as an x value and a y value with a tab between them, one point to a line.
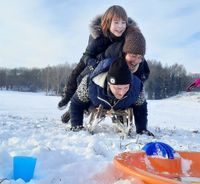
132	60
119	90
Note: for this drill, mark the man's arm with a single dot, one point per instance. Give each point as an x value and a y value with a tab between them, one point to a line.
140	112
146	71
79	102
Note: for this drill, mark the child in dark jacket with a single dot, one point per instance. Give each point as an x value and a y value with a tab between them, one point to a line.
106	30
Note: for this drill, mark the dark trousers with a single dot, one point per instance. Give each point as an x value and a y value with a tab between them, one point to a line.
72	80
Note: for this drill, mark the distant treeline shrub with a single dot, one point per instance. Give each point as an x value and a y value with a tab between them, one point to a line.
163	81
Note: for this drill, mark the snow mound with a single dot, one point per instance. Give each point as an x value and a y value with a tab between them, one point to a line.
30	125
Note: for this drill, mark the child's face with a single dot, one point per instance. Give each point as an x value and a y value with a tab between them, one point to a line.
117	26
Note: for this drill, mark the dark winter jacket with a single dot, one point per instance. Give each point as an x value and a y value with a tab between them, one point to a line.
115	50
98	42
94	53
92	92
98	89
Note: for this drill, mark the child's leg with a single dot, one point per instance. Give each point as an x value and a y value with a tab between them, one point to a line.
72	83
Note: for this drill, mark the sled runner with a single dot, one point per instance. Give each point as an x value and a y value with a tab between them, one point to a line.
123	119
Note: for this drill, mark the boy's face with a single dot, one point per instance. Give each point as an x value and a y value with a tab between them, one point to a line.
119	90
132	60
117	26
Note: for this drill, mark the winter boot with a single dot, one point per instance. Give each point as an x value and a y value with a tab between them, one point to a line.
77	128
146	132
65	117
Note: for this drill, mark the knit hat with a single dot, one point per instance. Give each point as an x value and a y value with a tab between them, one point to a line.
119	73
134	42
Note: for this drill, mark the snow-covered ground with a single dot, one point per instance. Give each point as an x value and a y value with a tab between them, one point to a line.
30	125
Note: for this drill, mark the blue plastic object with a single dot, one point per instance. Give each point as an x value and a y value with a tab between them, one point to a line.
160	149
23	167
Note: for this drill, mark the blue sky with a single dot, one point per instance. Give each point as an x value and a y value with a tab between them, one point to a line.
38	33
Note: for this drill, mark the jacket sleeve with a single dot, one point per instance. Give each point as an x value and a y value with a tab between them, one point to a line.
114	50
146	70
95	52
140	112
143	71
72	80
79	102
89	56
77	108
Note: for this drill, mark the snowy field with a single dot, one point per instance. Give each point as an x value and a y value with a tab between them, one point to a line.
30	125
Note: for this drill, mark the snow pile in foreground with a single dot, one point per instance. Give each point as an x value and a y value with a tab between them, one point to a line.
30	125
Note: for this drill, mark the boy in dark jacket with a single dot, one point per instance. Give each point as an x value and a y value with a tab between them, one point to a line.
112	86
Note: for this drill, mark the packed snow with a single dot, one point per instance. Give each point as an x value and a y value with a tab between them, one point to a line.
30	125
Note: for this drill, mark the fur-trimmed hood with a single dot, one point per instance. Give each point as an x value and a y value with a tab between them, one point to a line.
95	26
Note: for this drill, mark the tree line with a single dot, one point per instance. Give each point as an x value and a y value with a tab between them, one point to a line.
50	79
167	81
163	82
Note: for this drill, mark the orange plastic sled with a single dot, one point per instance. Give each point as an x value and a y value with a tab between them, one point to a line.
155	170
